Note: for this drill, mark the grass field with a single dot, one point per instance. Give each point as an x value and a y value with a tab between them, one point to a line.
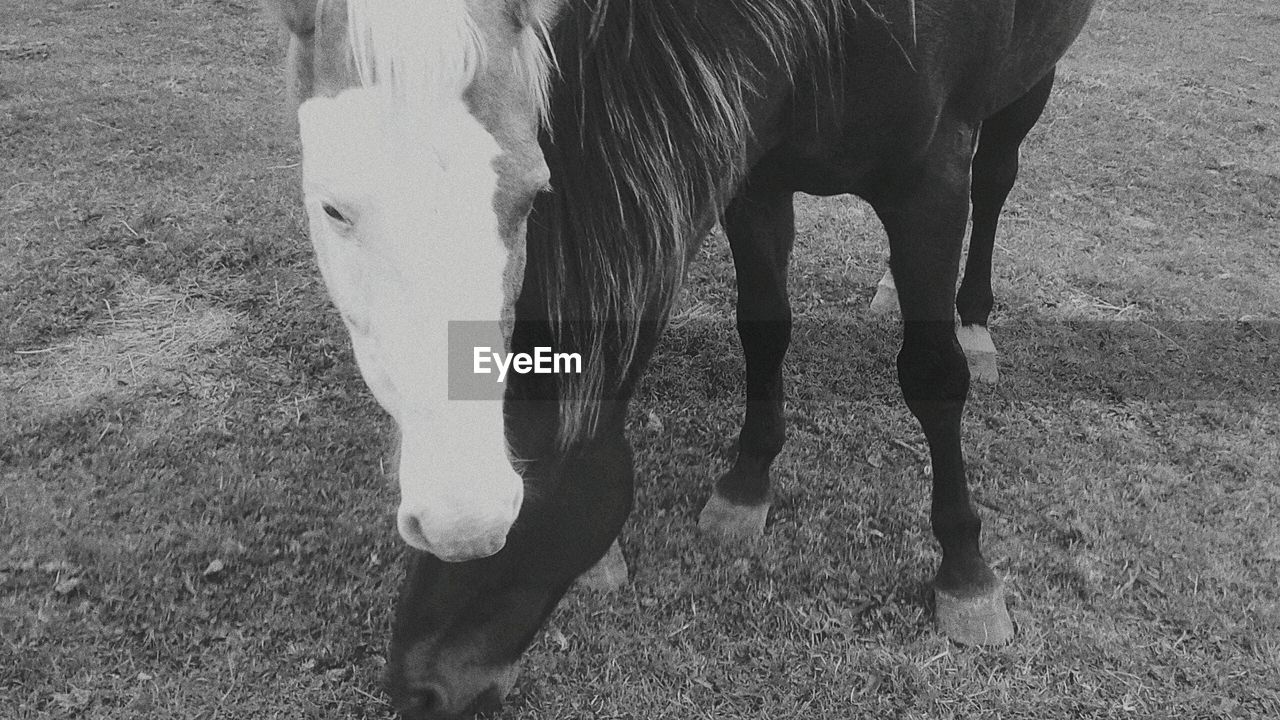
196	522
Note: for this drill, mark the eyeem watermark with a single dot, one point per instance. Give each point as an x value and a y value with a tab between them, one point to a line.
481	363
542	362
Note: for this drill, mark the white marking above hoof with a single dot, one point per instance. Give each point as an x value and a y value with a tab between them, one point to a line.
886	300
980	351
609	573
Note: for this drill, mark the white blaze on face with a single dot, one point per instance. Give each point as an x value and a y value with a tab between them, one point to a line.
402	220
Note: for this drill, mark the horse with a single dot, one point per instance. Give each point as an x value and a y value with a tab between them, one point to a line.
548	170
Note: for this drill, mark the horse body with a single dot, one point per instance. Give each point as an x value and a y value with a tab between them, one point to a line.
997	81
662	117
968	60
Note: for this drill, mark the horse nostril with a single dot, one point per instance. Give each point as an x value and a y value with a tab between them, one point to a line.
431	700
411	531
413	527
490	701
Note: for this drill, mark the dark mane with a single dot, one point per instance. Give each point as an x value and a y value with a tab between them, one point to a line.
647	141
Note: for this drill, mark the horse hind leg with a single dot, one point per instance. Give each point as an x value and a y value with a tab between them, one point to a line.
924	212
995	168
760	225
974	339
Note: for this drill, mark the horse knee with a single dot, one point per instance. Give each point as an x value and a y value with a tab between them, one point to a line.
931	365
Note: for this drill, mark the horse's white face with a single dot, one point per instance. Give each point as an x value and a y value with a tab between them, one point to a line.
418	176
402	216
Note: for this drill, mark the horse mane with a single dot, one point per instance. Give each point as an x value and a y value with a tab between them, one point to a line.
645	109
649	133
417	51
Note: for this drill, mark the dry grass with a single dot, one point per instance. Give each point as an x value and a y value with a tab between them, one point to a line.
152	338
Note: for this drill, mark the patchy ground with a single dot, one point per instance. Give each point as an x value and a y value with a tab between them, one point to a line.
195	521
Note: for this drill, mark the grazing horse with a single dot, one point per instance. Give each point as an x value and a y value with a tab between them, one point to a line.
548	168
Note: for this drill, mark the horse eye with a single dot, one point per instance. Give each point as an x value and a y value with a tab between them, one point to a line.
332	212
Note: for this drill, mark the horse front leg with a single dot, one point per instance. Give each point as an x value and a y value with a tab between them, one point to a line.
924	216
760	225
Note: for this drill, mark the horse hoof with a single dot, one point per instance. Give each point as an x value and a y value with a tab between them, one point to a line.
982	368
886	300
729	521
977	620
975	340
609	573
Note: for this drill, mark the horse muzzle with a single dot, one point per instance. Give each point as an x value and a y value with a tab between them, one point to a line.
456	533
451	698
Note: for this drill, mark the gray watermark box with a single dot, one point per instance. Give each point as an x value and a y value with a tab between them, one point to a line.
480	361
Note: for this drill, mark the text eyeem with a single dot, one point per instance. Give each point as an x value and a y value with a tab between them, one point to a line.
541	362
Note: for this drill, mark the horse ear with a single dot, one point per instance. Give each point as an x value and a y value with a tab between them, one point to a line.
299	16
319	59
540	13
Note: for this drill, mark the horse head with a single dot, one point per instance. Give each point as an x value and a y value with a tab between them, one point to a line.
420	127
